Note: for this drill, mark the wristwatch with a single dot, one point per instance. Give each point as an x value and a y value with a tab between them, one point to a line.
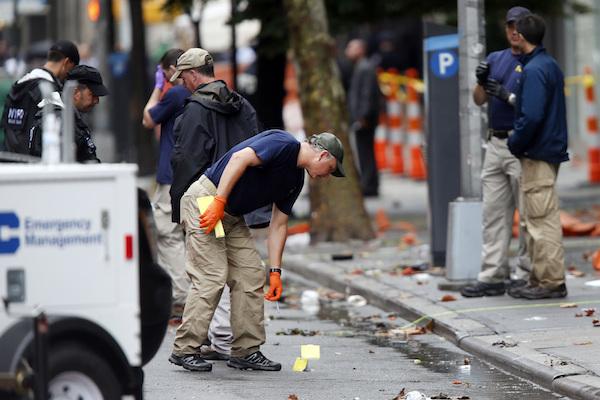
278	270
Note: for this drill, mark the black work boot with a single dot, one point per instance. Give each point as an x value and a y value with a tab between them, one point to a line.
191	362
481	289
538	292
256	361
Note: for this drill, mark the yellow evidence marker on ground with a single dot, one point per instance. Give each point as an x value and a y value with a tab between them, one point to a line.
300	365
203	203
310	351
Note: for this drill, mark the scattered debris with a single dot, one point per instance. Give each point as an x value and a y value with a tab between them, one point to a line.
357	300
568	305
456	382
503	344
422	278
578	315
596	323
293	397
357	271
586	343
300	365
342	256
371	352
382	221
310	302
400	395
415	395
574	271
467	361
535	318
417	361
297	331
302	227
409	239
332	295
448	297
588	312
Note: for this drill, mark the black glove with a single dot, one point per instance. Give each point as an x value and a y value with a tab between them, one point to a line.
481	72
494	88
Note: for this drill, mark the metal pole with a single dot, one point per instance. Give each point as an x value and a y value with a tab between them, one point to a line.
471	26
233	46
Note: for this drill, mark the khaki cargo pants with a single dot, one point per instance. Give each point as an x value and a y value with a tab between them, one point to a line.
170	243
212	263
542	223
500	178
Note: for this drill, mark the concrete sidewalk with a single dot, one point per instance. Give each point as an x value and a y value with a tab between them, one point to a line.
537	340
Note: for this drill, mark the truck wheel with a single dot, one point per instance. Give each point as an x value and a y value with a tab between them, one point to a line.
78	373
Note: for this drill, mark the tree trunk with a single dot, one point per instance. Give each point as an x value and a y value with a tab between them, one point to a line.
338	211
143	151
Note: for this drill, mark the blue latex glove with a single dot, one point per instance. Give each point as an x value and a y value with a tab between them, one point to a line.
159	78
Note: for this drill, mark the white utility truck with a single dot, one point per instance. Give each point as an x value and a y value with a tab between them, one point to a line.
70	252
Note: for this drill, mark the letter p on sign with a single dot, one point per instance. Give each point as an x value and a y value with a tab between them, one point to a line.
444	63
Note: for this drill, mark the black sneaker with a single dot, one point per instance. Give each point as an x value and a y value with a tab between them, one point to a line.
481	289
515	283
191	362
538	292
256	361
209	354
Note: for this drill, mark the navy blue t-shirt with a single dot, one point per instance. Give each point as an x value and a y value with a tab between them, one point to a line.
164	113
277	180
506	69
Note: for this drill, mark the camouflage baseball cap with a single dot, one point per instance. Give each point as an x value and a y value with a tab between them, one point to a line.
193	58
330	142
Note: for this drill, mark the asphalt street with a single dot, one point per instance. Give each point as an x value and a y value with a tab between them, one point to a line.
359	360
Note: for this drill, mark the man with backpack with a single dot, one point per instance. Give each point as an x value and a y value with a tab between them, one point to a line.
25	97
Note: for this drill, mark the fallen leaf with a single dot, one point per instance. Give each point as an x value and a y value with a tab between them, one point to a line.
293	397
587	342
589	312
441	396
456	382
568	305
448	297
400	395
466	361
596	323
576	272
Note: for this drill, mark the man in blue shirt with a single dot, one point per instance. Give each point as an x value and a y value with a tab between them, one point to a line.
163	111
540	142
267	168
501	170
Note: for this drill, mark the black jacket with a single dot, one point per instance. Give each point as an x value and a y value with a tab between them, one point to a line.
214	120
85	147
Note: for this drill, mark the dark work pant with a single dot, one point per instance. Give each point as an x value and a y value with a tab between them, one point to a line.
369	177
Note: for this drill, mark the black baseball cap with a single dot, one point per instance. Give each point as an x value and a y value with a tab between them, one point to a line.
90	77
68	49
515	13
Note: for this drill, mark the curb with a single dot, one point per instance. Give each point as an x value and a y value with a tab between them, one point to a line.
550	379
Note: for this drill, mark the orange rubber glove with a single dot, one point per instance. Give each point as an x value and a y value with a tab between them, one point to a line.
213	214
275	287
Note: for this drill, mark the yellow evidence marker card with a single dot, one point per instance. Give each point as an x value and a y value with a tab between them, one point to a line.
300	365
203	203
310	351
